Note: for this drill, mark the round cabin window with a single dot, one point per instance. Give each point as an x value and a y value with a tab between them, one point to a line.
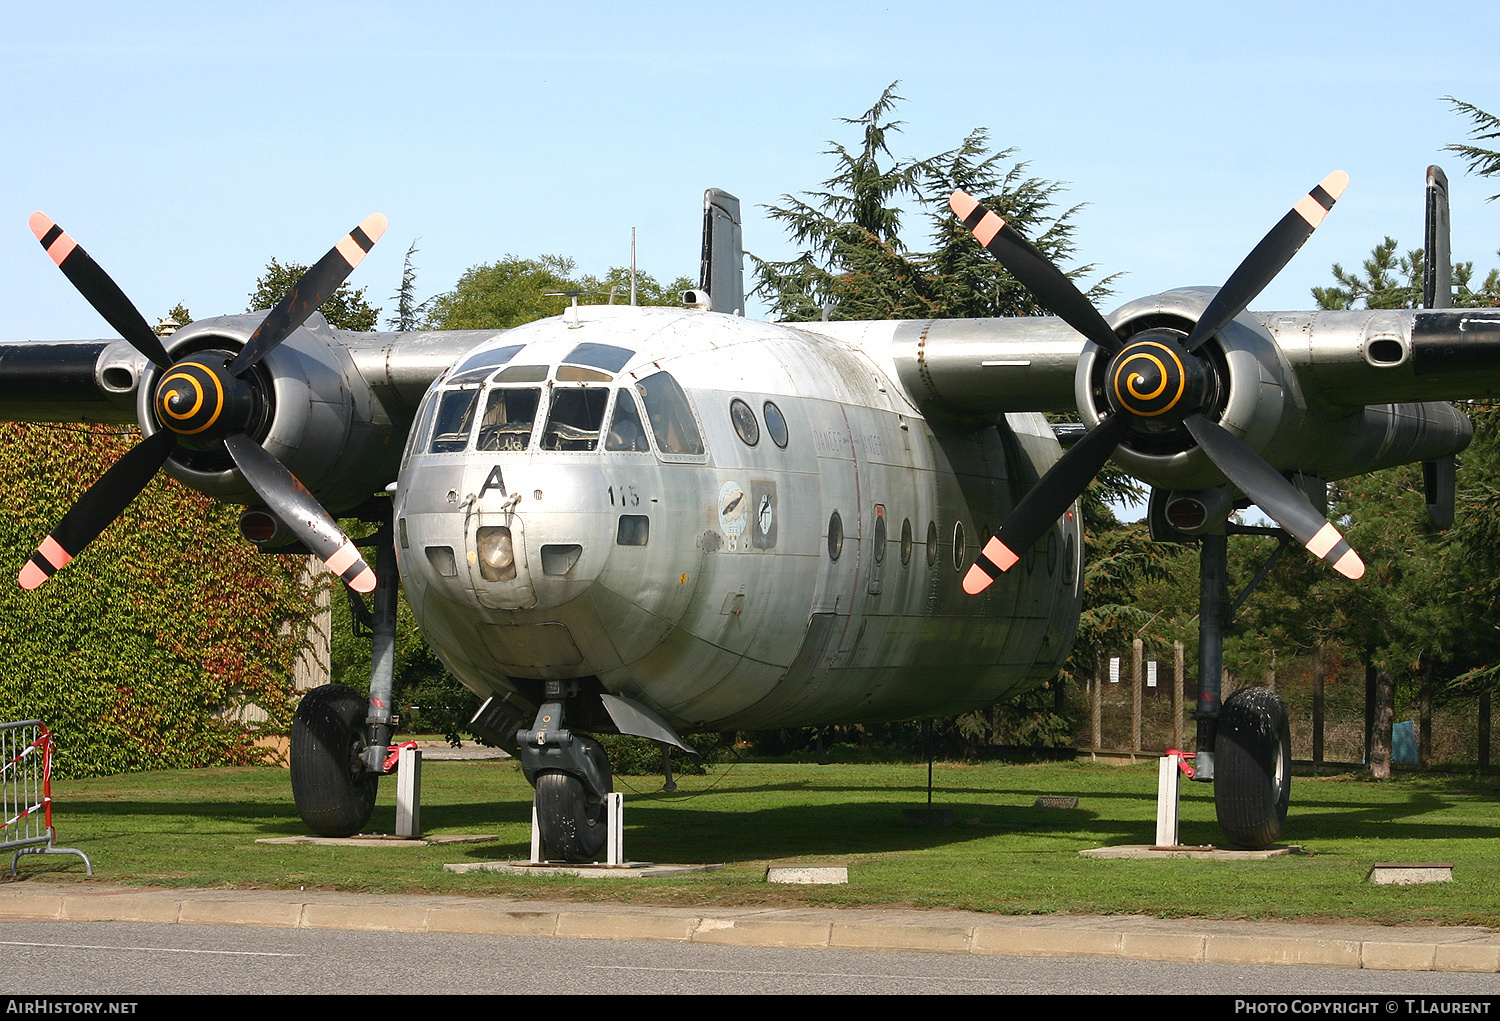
744	422
776	425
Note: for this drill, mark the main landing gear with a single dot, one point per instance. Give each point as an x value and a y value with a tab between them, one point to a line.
1254	765
340	739
1244	744
571	775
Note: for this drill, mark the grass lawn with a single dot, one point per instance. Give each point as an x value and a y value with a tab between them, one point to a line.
197	828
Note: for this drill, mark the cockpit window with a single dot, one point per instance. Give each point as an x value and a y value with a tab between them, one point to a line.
508	417
576	417
626	431
455	416
670	415
420	425
522	374
600	356
479	366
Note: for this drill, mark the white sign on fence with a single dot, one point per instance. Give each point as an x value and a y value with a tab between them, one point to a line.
1151	673
1114	670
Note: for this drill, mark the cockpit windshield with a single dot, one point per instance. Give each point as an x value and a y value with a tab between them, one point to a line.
454	418
479	366
575	419
508	418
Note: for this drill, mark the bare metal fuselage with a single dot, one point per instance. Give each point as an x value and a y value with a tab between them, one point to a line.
728	608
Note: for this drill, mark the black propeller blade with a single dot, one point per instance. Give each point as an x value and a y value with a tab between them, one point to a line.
308	294
1047	501
300	511
1287	505
1155	377
201	398
1268	258
1035	271
96	286
93	512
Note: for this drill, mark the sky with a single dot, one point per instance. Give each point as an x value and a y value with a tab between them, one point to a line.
184	145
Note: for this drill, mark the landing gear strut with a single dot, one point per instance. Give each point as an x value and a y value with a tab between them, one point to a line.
571	775
1244	744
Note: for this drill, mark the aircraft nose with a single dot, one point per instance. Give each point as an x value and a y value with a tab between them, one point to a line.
536	553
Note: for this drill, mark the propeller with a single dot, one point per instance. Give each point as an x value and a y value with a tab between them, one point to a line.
201	401
1154	381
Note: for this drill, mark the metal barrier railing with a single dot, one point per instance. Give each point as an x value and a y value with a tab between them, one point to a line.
26	793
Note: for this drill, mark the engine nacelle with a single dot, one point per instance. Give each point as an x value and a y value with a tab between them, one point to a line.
314	413
1254	394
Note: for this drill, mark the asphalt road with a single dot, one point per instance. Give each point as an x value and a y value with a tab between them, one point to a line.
124	959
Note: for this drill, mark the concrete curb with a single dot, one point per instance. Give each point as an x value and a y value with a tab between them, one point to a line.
1457	949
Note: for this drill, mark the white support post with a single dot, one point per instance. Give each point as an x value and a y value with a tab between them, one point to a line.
615	820
409	793
1168	785
536	835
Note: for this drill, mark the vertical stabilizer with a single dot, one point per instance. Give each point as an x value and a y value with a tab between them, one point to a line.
1437	274
1440	477
722	273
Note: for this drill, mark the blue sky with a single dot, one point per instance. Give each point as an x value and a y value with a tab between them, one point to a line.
186	144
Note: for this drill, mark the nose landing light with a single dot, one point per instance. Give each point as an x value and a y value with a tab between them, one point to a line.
497	555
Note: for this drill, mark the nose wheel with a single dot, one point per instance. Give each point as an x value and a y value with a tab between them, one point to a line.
571	817
571	775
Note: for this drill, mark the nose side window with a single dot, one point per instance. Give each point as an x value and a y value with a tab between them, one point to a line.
626	431
670	415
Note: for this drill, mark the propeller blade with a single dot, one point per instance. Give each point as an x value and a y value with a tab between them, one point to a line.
308	294
110	494
1287	505
1048	500
1268	258
96	286
290	501
1048	284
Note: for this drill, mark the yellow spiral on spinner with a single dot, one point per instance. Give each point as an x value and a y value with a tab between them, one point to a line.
1138	402
180	419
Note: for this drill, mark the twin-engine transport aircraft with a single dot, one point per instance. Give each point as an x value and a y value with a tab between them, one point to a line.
661	520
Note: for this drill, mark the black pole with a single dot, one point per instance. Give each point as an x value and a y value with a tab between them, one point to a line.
1213	599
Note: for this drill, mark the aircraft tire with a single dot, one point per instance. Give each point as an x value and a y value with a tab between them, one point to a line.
333	792
1252	768
573	822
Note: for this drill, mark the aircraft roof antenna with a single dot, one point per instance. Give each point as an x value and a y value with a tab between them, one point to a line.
575	324
632	266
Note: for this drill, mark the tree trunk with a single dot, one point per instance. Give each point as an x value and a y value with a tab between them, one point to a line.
1380	735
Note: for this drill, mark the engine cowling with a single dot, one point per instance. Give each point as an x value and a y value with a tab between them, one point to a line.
313	412
1253	392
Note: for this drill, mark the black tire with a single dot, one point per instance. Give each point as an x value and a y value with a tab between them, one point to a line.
333	792
574	823
1252	768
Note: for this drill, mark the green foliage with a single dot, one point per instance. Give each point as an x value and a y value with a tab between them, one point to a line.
1484	162
346	308
409	312
179	315
1392	281
855	262
639	756
168	643
514	291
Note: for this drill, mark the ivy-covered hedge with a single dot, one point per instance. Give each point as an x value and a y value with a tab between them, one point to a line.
152	649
